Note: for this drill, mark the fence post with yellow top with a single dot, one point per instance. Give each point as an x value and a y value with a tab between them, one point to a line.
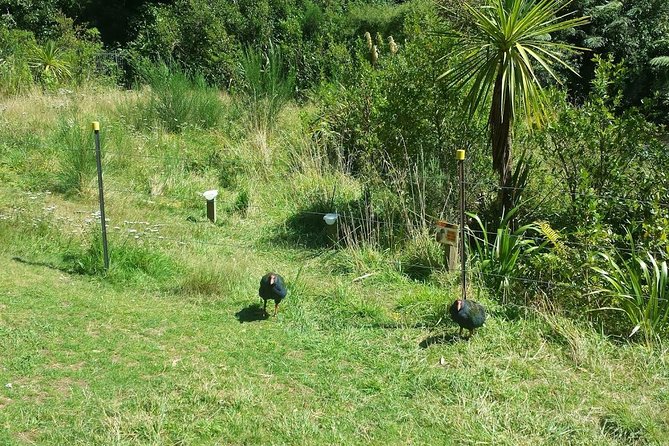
101	194
460	156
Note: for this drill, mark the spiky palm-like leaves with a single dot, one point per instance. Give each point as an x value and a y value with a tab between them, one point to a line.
639	288
499	258
500	49
50	63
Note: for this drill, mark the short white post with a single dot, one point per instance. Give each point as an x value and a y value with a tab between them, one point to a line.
210	196
331	227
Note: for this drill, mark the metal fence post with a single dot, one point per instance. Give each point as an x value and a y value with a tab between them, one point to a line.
460	156
103	221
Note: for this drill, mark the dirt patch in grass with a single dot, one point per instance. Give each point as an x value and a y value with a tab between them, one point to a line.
64	386
4	402
29	437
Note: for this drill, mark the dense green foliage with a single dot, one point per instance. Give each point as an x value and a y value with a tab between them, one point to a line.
636	34
317	37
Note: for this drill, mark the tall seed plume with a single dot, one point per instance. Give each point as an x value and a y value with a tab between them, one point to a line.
368	39
379	40
392	45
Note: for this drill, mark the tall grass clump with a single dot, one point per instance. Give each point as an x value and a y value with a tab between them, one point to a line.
267	85
129	261
213	279
639	287
76	157
176	100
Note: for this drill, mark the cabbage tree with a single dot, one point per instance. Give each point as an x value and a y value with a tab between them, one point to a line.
500	46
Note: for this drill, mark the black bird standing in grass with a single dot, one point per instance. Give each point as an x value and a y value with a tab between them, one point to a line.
272	287
467	314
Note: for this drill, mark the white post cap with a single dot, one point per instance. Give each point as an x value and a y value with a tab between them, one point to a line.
210	194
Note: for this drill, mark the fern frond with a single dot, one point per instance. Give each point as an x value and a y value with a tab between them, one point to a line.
552	235
660	62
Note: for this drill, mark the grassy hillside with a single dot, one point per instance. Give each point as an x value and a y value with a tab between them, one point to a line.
169	346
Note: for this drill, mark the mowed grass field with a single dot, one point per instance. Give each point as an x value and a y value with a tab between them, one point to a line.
169	348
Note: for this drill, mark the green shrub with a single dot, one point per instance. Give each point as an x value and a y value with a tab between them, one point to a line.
81	50
611	165
15	74
192	33
395	117
68	57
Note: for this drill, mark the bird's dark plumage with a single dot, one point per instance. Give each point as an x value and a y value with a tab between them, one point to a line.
273	288
467	314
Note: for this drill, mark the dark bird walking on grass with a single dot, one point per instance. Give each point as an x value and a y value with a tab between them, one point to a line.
272	288
467	314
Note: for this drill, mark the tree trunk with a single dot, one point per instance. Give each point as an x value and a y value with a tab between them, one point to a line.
501	116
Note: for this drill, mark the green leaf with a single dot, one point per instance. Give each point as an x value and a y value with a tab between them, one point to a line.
660	62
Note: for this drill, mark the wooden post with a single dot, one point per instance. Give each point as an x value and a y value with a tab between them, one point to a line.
450	257
101	194
211	210
210	196
332	227
448	236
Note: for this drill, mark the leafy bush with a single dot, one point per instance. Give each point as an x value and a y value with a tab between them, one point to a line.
81	50
15	74
393	116
634	33
611	166
67	57
193	34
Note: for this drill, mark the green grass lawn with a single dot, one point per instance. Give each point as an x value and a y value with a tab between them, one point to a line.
168	361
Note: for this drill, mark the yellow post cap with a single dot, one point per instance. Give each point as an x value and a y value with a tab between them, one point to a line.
460	155
96	126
